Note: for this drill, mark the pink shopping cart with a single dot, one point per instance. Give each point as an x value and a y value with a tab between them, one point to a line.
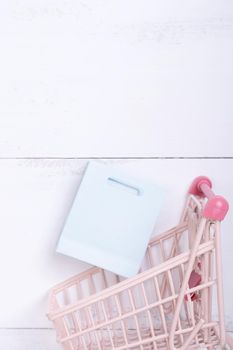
168	305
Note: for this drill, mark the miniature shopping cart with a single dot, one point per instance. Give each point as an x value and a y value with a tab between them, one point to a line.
168	305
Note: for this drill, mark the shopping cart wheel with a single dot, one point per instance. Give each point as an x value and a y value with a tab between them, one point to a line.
218	347
226	347
229	344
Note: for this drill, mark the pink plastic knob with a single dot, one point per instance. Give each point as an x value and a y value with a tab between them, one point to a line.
216	208
195	188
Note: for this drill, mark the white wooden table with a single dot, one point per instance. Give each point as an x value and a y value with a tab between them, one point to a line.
144	84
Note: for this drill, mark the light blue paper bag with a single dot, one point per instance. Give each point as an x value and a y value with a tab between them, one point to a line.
111	220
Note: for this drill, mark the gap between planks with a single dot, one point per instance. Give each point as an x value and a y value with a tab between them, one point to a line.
149	158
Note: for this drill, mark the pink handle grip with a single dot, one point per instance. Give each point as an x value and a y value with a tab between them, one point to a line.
217	206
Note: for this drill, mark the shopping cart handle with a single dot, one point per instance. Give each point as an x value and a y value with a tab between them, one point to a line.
217	206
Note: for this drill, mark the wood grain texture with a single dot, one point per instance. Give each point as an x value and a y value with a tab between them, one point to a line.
35	198
99	78
116	78
28	339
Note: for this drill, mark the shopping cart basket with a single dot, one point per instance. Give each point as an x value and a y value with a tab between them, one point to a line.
168	305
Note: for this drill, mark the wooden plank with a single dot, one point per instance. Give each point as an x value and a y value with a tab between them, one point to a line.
26	339
35	198
116	78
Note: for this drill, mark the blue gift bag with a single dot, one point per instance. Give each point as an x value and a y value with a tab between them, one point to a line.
111	220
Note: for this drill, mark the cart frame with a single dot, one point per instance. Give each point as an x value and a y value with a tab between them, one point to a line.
168	305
